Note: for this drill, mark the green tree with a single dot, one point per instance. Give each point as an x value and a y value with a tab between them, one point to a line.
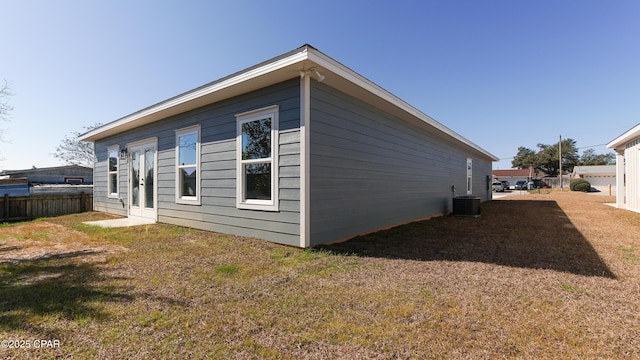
546	159
524	159
589	157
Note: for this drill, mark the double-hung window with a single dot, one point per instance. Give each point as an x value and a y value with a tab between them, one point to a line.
188	165
112	171
257	159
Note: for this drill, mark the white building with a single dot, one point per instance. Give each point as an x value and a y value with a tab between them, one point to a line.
601	177
627	148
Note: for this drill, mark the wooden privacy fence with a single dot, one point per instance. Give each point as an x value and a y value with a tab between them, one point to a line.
17	208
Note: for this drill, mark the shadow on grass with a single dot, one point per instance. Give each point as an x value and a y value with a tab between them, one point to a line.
44	291
523	234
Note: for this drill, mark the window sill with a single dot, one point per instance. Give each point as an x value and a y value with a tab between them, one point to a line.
257	206
187	201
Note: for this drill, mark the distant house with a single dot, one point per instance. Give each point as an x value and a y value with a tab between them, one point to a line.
513	175
627	148
601	177
70	178
297	150
14	187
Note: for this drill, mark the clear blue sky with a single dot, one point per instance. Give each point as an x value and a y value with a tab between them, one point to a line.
503	74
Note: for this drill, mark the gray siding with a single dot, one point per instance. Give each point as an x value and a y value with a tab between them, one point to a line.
370	170
218	211
101	201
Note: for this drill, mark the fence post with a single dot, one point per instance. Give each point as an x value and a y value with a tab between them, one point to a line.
82	201
6	207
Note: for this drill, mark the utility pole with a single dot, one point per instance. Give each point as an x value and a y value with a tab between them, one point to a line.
560	156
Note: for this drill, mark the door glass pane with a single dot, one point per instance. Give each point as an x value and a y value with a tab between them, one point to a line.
148	180
113	183
135	179
113	160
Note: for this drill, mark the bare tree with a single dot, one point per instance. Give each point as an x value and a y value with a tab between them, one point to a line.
5	108
75	152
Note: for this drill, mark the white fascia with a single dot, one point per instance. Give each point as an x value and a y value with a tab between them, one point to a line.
200	92
628	136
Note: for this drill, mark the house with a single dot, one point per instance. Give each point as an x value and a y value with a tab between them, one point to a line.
601	177
14	187
67	179
513	175
297	150
627	147
68	174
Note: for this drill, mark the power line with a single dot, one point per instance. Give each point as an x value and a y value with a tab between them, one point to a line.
590	146
580	148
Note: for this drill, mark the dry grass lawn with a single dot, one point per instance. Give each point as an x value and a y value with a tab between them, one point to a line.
538	276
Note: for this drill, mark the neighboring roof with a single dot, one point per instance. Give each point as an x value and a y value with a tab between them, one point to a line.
513	172
36	170
595	170
278	69
628	136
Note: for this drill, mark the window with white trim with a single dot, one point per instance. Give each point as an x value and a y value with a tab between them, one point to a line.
112	171
257	159
188	165
469	176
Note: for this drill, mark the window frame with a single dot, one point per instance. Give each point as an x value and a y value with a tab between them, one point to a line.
116	172
255	204
188	200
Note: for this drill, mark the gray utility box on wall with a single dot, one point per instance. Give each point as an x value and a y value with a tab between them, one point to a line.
466	206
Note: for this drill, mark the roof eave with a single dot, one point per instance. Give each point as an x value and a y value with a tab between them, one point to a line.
270	72
628	136
263	74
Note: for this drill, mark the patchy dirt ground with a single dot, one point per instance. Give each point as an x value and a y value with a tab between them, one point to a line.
45	240
539	276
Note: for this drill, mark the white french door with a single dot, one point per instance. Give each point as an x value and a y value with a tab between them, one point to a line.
142	179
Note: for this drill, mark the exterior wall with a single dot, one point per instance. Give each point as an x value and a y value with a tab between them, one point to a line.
632	171
101	201
14	187
370	170
601	182
217	211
